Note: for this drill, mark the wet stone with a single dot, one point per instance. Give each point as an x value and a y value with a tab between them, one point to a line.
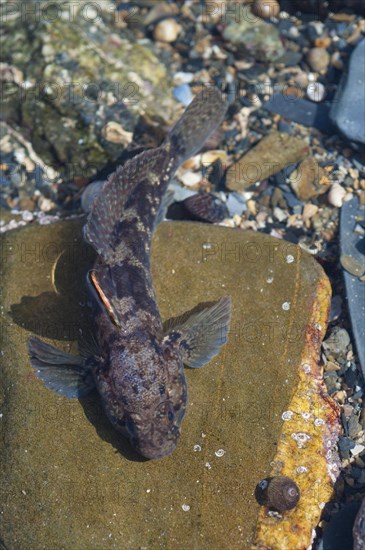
273	153
348	111
255	37
87	83
257	410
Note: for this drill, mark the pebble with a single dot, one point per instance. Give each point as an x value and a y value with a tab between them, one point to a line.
304	112
265	8
46	205
190	179
183	78
183	94
115	133
336	344
316	92
345	444
167	30
308	180
90	193
336	195
318	60
236	204
273	153
309	210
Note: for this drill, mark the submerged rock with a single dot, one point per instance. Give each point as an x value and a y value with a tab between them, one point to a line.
348	110
259	409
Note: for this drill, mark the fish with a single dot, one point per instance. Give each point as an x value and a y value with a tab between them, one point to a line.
136	366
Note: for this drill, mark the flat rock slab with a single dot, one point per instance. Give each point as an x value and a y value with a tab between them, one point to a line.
68	480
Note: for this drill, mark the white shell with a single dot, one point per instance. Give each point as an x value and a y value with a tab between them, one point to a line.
336	195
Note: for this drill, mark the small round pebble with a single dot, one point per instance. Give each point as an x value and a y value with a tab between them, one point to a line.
265	8
316	92
336	195
286	306
185	507
318	59
167	30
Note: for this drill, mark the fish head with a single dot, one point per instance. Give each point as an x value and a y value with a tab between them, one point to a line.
144	394
157	433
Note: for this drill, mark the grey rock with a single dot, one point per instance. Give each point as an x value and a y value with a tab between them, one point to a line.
348	110
338	534
359	528
355	288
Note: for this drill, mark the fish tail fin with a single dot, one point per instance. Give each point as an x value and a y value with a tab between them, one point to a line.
200	119
131	198
202	334
62	372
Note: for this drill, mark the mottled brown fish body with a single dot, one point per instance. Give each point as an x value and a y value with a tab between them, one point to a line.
137	369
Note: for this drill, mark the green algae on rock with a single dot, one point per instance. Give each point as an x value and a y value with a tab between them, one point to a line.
69	480
82	72
253	36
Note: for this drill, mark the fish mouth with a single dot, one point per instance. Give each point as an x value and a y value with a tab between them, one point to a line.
152	450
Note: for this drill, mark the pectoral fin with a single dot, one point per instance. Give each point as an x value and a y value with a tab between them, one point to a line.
62	372
203	334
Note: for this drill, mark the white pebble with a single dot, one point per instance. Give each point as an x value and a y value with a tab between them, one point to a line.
316	92
286	306
190	178
167	30
289	259
357	450
185	507
336	195
27	216
197	448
